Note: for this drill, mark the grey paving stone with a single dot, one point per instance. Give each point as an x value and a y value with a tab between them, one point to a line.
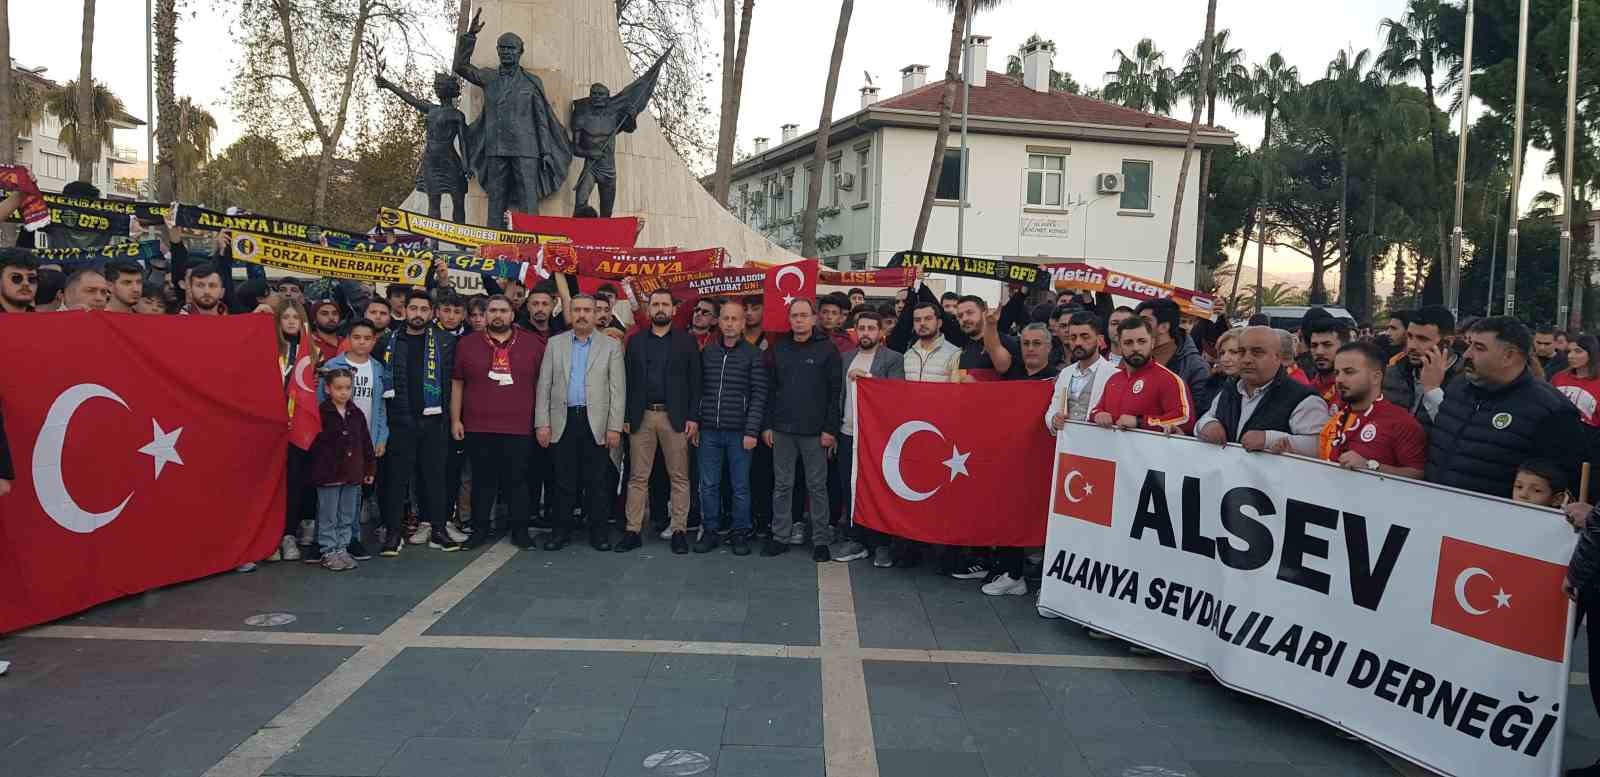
555	758
668	726
926	763
575	724
627	759
739	761
1234	768
1134	752
922	733
787	726
1044	762
327	757
447	757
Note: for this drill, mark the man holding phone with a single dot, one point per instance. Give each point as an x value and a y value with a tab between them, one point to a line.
1426	356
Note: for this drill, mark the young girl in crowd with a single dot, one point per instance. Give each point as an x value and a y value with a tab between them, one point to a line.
291	319
342	461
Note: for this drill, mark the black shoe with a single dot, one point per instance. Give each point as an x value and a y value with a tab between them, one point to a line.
358	551
521	539
1592	770
820	553
557	539
680	543
708	542
630	541
772	548
477	540
391	547
909	559
600	538
442	541
741	543
311	555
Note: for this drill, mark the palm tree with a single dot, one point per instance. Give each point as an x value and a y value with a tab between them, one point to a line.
1142	81
1267	88
1412	47
65	104
960	11
1207	50
1229	80
1278	294
1347	101
819	154
86	147
733	56
166	65
195	128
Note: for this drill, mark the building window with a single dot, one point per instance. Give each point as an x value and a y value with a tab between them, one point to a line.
1135	185
744	203
833	182
863	174
950	176
788	194
1046	179
858	261
53	165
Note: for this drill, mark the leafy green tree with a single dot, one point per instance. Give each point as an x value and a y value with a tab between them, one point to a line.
1142	81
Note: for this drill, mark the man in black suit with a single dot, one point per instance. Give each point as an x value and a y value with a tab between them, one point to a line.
663	380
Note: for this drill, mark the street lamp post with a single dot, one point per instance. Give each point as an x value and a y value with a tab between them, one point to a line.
1510	305
1452	277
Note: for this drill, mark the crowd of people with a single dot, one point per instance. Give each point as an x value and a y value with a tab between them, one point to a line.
448	421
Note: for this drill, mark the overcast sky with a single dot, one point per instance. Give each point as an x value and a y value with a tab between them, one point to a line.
789	48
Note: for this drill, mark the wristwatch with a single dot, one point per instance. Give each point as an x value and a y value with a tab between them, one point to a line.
1372	465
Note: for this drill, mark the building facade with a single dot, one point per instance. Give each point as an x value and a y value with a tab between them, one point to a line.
1050	176
39	148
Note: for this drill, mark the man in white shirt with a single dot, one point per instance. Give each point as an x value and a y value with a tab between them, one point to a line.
1264	409
1083	380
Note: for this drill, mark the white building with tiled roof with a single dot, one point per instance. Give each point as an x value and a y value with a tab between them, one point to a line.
1050	174
39	148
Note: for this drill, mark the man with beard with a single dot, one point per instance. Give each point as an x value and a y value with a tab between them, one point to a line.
127	283
203	288
420	358
1081	383
1368	432
493	388
539	313
1263	408
1425	345
539	320
703	323
663	377
1174	348
326	318
1496	414
1113	325
1393	337
1551	359
19	280
869	359
1324	338
86	290
377	311
578	417
986	348
1144	394
930	359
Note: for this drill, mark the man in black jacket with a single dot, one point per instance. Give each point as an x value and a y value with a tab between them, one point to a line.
1175	349
1426	331
1496	414
663	379
1263	408
869	359
420	358
733	403
803	421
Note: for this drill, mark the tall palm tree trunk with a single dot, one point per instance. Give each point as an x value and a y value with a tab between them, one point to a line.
88	141
8	133
1238	269
732	90
1437	166
1344	226
942	135
819	154
1205	173
1188	144
166	24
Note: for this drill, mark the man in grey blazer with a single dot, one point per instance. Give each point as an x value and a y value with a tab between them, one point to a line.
578	415
870	359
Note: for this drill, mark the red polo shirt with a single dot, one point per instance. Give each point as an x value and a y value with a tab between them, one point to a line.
491	406
1385	433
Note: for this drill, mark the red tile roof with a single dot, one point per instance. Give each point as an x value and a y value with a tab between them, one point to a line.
1006	97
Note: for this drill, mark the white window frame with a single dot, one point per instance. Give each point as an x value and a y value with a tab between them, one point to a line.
1150	188
1044	174
863	174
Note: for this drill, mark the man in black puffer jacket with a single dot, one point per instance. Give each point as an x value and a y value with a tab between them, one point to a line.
803	411
1496	414
733	404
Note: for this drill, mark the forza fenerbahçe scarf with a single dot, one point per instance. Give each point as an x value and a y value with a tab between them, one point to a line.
312	259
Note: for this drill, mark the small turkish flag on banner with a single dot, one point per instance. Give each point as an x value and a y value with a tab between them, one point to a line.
1084	488
1502	598
305	418
138	464
953	463
786	283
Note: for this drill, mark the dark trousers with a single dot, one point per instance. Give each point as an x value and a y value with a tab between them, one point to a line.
417	448
541	479
499	468
761	488
454	462
294	505
580	464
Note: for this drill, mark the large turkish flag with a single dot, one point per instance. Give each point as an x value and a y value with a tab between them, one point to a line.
149	450
953	463
785	283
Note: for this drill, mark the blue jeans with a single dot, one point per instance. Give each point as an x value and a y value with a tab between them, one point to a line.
337	512
717	446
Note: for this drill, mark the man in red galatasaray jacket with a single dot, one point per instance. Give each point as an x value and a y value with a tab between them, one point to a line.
1144	394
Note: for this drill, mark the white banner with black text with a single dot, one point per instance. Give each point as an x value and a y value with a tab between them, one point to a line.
1426	620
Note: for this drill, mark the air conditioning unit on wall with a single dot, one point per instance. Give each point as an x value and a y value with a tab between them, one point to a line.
1108	183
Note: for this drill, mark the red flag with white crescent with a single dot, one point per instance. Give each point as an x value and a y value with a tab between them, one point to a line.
786	283
305	418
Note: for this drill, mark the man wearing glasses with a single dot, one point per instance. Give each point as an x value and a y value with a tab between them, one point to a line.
702	323
19	281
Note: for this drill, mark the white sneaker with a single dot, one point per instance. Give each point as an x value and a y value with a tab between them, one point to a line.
422	534
666	533
277	555
455	534
289	550
308	533
248	566
1006	585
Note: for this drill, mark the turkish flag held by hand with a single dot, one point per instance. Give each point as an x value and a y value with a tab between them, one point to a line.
953	463
305	418
1084	488
1502	598
138	464
785	283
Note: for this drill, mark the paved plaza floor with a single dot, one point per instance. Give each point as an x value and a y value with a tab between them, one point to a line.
586	664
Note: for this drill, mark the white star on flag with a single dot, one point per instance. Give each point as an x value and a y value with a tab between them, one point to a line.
957	463
787	299
1502	599
163	448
